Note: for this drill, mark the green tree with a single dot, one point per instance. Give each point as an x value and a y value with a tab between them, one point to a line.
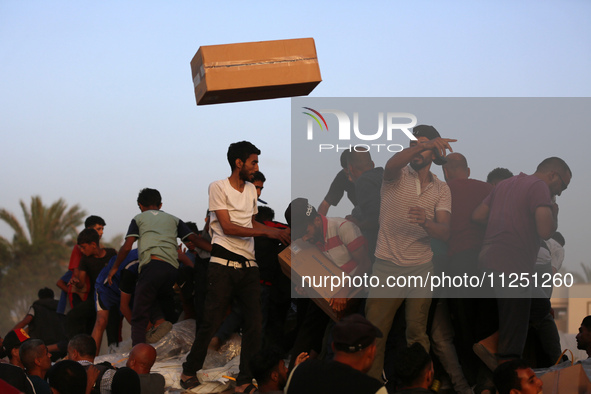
36	255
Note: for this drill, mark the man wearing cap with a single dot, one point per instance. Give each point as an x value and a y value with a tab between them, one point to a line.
342	242
14	373
415	207
354	344
339	239
12	344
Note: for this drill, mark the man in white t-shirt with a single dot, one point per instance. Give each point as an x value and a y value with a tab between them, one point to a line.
233	271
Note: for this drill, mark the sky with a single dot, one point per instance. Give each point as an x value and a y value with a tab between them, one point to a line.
97	98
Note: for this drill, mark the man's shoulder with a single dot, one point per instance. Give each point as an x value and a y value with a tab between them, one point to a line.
220	183
148	216
469	185
521	182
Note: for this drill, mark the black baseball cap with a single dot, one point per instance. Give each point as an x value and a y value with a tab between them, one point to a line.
354	333
299	214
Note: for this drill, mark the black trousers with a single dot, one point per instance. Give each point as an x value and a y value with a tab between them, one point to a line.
223	284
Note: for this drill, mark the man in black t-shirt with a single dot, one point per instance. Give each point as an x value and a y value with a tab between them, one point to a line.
341	184
81	318
354	344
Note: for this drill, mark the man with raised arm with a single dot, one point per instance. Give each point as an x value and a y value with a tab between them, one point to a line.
415	207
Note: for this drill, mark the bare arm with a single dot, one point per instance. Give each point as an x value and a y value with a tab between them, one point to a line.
257	230
397	162
183	258
361	256
546	221
81	279
323	207
123	252
438	228
23	323
200	242
480	214
62	285
124	306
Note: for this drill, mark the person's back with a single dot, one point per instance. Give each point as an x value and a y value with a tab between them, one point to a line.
321	377
156	233
67	377
16	377
152	383
511	242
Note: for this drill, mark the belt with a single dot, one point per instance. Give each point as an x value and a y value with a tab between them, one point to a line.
233	264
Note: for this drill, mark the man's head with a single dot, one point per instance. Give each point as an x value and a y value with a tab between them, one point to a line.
258	180
558	237
556	173
88	242
12	343
244	158
516	377
358	163
269	370
265	214
497	175
354	342
424	159
35	357
414	367
142	358
149	199
45	294
584	335
67	377
95	222
305	222
456	167
82	347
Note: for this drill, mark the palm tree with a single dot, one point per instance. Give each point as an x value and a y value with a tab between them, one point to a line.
49	228
35	257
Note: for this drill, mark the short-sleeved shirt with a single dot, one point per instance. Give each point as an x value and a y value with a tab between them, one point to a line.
511	242
340	237
157	234
93	265
241	207
466	196
110	294
399	241
338	187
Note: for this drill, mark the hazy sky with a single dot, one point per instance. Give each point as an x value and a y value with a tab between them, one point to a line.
97	98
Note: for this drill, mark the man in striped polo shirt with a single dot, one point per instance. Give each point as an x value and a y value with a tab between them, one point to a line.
415	207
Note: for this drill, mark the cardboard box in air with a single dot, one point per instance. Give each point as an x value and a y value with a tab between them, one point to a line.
304	259
255	71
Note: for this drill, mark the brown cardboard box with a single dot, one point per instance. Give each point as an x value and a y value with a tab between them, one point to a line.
572	379
304	259
255	71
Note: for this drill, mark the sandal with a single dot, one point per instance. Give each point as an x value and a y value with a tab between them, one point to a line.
190	383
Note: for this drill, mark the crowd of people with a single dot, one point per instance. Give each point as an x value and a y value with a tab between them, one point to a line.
405	223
